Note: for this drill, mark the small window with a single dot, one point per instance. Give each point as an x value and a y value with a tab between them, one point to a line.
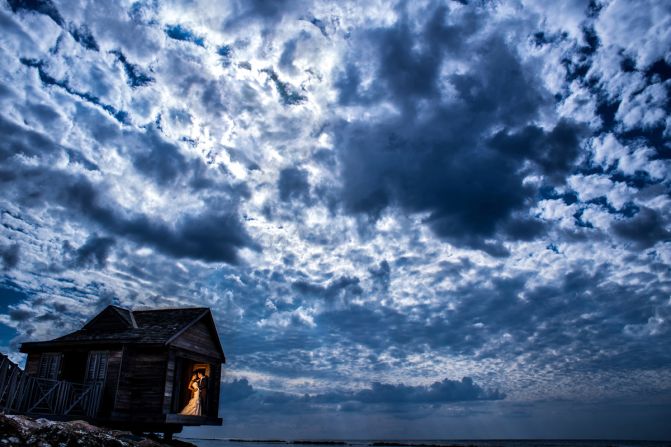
50	365
97	366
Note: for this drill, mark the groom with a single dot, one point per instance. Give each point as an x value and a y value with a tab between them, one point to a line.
202	387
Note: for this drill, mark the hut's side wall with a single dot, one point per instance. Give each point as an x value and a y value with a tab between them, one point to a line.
198	338
141	383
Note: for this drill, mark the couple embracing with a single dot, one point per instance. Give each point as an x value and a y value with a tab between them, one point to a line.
198	386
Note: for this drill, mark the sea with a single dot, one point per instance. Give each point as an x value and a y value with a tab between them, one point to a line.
430	443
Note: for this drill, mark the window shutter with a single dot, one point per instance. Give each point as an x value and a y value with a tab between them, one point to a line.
42	371
50	363
97	366
102	366
90	373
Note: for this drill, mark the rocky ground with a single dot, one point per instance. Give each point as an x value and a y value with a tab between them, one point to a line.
25	431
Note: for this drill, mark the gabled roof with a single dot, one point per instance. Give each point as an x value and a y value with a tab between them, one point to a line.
111	315
124	326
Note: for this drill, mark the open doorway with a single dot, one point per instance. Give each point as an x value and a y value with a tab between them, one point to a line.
189	398
74	366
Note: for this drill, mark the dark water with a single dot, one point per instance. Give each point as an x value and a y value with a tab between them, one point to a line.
433	443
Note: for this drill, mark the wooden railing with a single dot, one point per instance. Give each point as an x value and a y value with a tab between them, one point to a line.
21	393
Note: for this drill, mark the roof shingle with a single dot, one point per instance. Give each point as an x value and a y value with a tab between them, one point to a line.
156	326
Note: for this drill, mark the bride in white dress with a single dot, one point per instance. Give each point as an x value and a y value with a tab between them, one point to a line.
193	407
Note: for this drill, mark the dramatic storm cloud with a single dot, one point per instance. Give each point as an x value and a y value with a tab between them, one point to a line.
422	219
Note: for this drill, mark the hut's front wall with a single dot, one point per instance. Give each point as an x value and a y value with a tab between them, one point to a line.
198	338
141	384
215	383
195	346
73	363
111	383
72	367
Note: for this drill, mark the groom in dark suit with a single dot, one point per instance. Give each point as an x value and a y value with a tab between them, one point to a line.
202	387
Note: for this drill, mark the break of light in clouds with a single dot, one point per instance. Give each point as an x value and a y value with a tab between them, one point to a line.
417	219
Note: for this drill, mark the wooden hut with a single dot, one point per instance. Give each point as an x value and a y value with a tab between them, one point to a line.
142	362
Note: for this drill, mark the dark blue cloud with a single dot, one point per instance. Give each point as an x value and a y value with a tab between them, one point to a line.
210	236
236	390
24	141
10	255
645	229
213	236
441	160
158	158
93	253
80	33
120	115
238	395
179	32
265	12
289	95
293	184
226	54
45	7
11	294
381	275
319	24
437	393
134	74
528	319
83	35
345	284
553	152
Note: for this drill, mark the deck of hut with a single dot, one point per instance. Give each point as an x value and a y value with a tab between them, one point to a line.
139	362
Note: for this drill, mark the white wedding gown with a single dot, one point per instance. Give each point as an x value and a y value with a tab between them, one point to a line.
193	408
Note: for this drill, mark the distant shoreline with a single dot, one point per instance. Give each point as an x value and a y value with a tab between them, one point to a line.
450	443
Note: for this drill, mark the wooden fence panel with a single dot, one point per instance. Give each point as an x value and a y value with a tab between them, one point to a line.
21	393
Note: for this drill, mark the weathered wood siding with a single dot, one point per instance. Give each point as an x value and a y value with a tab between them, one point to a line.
33	363
198	338
170	373
141	383
215	384
111	382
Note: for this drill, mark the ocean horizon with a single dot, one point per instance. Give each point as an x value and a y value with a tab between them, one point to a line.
232	442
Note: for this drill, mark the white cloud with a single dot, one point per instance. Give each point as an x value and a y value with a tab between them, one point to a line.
643	29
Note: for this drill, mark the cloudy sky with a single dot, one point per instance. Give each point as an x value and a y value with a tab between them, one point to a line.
410	219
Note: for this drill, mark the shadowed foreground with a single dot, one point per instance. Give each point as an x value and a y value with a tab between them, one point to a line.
25	431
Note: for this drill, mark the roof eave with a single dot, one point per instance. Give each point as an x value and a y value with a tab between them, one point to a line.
31	346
